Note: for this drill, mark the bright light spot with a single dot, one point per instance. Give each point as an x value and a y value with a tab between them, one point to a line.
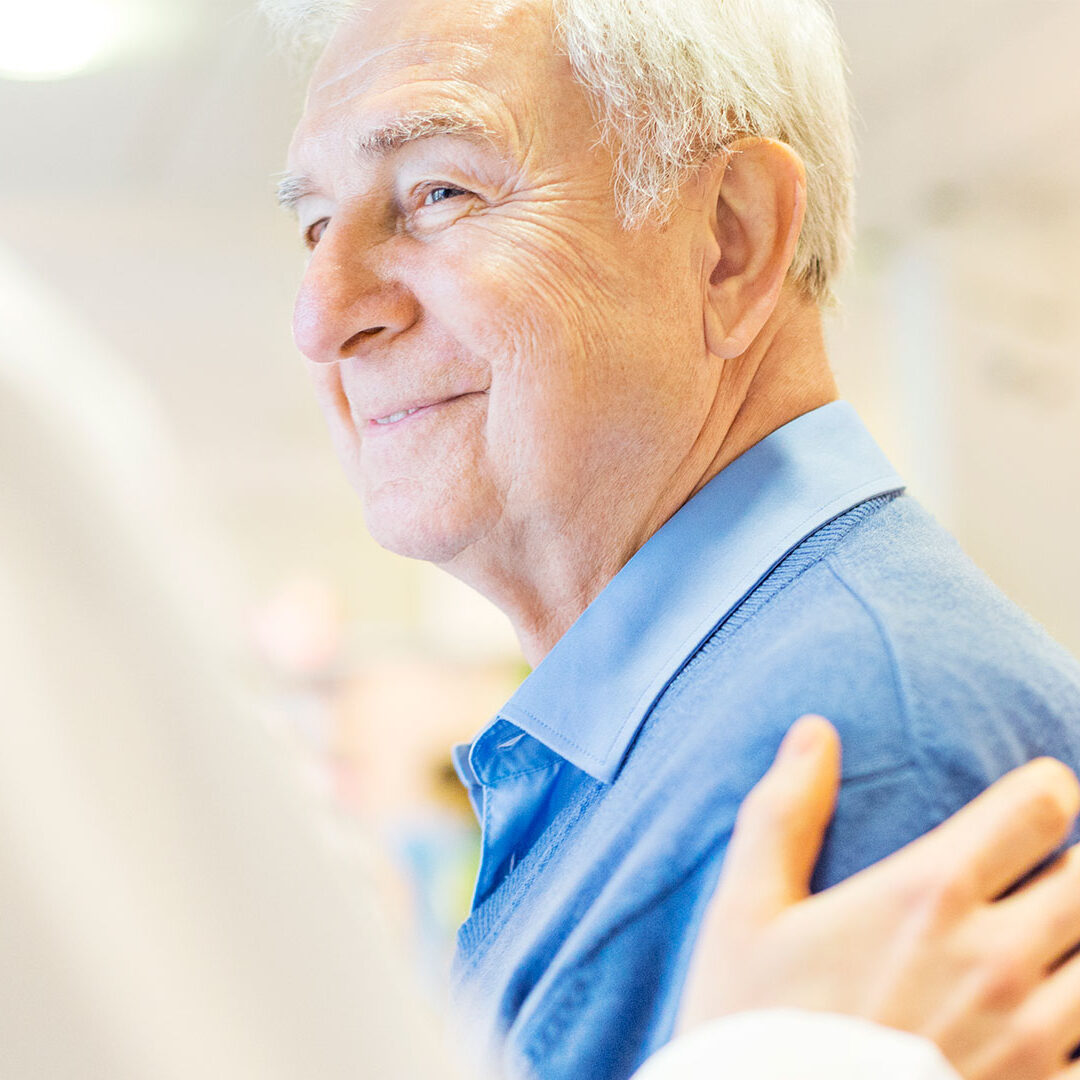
54	39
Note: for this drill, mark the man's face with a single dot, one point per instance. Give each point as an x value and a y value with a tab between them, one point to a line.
482	277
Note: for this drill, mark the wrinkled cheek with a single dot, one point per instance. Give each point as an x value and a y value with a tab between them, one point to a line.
329	392
538	327
517	297
330	396
540	443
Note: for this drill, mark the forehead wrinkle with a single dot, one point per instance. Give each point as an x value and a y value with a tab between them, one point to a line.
361	64
423	51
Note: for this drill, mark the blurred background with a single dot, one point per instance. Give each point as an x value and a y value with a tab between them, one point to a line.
146	276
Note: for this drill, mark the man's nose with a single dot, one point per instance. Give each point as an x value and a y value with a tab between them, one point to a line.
350	302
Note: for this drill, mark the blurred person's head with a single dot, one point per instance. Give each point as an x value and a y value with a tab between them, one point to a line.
566	262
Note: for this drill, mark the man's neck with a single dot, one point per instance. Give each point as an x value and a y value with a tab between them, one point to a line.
543	592
790	378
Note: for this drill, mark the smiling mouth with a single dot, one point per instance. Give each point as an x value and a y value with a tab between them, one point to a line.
399	417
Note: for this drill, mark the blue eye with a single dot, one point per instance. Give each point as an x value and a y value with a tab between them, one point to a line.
441	194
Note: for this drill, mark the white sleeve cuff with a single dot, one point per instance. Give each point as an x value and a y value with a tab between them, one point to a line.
788	1044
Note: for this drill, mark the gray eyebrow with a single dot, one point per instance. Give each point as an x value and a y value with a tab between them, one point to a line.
292	189
391	136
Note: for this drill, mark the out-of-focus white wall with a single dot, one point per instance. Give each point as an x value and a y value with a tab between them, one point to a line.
960	332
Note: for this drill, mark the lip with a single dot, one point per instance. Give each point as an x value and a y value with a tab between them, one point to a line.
414	413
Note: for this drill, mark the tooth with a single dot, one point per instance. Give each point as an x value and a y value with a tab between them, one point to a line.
398	416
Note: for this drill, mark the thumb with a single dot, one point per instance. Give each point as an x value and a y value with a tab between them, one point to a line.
781	825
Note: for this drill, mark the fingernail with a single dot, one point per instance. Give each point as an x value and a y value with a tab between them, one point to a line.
804	736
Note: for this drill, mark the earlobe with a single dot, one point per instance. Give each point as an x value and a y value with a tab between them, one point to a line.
760	199
718	341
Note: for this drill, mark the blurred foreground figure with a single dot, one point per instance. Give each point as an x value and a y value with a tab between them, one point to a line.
169	907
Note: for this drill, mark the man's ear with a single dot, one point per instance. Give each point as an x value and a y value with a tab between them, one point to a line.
759	195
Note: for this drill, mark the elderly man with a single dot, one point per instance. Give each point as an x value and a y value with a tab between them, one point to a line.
562	308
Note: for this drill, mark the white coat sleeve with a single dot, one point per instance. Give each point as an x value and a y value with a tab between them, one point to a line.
787	1044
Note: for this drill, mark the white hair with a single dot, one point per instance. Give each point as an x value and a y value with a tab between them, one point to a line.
676	81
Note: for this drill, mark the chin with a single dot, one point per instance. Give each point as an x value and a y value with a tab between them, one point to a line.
409	521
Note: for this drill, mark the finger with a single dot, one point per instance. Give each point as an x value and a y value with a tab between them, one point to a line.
1046	911
1006	832
781	824
1053	1009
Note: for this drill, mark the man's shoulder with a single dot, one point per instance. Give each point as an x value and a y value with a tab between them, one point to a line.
937	683
953	639
896	636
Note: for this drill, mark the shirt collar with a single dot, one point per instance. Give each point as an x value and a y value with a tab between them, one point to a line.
590	695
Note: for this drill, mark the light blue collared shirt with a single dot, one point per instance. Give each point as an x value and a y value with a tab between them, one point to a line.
799	580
